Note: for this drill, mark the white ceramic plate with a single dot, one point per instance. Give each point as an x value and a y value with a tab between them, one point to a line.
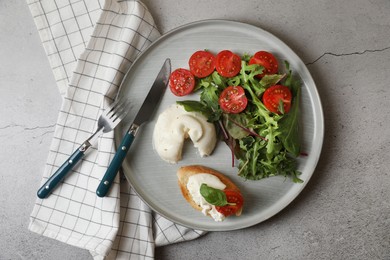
155	181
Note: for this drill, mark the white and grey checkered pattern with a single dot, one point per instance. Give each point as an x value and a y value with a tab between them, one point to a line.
90	45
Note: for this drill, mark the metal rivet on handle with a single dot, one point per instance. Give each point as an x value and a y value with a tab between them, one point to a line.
106	182
123	148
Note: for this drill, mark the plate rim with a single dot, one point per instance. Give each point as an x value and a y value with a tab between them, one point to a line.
320	122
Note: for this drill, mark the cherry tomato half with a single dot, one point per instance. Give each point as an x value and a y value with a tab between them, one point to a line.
202	64
267	60
274	95
181	82
227	63
236	200
233	99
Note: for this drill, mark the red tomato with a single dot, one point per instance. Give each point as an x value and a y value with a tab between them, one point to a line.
233	197
267	60
233	99
273	95
181	82
228	64
202	64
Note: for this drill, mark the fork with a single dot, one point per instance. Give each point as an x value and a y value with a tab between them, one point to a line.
107	121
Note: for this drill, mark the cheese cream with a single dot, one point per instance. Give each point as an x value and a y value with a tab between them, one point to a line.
193	186
174	125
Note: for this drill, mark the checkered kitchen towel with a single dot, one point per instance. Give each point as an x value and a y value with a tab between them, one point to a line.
90	45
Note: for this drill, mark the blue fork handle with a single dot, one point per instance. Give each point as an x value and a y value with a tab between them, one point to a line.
65	168
115	164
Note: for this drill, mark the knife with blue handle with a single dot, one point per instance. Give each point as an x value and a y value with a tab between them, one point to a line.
150	103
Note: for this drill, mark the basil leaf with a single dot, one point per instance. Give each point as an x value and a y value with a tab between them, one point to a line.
213	196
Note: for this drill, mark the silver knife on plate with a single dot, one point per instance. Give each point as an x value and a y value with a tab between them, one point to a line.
150	103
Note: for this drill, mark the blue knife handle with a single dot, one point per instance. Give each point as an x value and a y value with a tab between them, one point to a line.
57	177
116	163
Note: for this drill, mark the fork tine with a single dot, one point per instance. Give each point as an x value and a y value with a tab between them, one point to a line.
121	111
117	110
111	117
111	109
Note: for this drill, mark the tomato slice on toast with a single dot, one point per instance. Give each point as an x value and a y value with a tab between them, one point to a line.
235	203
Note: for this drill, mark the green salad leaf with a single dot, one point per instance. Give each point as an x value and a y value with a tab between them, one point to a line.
289	123
266	144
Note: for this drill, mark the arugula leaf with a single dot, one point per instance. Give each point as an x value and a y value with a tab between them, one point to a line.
281	106
213	196
289	128
219	80
270	80
289	124
209	97
246	57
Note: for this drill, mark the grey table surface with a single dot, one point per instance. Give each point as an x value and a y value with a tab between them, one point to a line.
344	211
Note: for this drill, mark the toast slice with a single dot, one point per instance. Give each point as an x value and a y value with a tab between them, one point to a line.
185	172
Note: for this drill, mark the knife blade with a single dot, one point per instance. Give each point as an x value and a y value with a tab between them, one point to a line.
144	114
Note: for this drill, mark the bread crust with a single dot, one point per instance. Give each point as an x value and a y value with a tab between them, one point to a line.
185	172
